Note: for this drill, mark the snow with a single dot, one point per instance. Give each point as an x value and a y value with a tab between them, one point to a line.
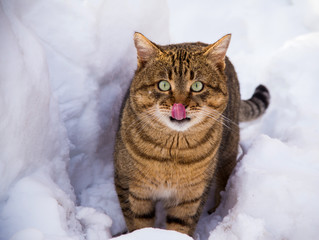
65	67
286	206
154	234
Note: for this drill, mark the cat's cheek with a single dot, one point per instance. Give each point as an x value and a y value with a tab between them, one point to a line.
143	101
218	103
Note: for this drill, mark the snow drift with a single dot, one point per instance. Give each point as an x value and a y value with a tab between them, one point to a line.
64	69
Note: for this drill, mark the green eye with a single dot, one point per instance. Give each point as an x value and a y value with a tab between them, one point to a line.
197	86
164	85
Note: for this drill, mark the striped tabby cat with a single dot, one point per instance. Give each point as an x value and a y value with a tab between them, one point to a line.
179	131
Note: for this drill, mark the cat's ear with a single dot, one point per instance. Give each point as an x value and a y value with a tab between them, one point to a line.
145	48
216	52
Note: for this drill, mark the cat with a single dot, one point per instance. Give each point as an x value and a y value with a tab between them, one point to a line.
179	131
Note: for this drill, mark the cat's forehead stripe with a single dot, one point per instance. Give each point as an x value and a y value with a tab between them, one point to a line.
191	75
180	59
170	74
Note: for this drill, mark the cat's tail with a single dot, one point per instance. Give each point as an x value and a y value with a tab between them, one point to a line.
255	106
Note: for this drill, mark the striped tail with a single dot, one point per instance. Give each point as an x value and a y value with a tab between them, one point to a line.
255	106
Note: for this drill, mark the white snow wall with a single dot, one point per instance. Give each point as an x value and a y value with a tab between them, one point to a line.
64	68
35	190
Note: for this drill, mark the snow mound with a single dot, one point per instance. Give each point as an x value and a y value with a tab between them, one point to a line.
154	234
276	194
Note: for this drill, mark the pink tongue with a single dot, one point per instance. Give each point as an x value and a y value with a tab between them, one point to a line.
178	111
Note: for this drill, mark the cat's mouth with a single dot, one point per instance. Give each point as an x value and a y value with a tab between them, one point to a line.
187	119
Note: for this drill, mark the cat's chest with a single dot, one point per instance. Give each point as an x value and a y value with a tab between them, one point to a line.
164	192
167	180
168	186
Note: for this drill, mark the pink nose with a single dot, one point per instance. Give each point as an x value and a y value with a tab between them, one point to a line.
178	111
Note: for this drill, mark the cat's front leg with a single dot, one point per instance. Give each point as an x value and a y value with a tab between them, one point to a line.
141	210
138	210
184	216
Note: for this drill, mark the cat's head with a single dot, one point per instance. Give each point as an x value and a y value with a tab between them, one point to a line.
180	86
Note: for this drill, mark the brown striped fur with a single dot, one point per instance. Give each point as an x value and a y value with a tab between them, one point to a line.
161	159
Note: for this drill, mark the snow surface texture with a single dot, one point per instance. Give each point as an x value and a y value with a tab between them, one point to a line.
66	65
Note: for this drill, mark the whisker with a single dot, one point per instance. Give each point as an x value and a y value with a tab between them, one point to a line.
219	118
145	116
219	115
139	119
214	118
146	123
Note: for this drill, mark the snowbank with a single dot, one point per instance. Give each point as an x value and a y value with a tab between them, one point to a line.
33	143
64	68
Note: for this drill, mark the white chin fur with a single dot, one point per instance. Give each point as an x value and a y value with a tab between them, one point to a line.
178	126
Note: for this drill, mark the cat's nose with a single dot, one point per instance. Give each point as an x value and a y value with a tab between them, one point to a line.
180	97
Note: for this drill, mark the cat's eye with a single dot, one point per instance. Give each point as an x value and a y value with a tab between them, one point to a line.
164	85
197	86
